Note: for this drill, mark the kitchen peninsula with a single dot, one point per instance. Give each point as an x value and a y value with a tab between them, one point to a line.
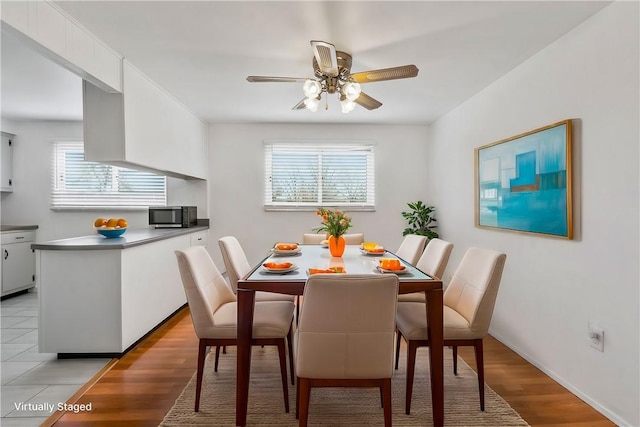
100	296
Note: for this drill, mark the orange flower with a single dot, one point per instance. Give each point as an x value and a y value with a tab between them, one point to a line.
334	222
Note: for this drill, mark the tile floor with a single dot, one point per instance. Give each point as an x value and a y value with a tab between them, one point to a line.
30	377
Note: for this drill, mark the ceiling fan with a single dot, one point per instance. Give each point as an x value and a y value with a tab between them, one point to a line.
332	70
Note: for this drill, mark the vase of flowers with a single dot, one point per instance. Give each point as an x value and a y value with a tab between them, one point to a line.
335	223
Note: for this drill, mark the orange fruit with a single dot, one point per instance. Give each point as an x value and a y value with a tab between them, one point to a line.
112	222
122	223
99	222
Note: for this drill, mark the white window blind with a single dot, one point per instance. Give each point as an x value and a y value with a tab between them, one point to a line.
306	175
81	184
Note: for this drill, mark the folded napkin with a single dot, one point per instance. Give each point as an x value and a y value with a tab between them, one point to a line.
391	264
327	270
286	246
277	266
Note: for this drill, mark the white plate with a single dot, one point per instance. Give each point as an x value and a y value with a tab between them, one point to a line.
291	252
280	270
365	252
405	270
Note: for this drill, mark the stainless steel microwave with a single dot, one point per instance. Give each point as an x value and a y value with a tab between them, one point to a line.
173	216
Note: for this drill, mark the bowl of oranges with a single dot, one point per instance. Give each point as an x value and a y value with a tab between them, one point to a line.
110	228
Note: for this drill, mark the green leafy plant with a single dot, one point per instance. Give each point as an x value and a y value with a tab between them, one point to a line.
421	220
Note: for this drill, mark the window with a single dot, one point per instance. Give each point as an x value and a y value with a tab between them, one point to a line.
306	175
81	184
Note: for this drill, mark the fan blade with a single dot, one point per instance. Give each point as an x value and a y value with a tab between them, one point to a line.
326	57
367	102
261	79
300	105
393	73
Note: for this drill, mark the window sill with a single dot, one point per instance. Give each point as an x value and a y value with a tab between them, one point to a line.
99	208
272	208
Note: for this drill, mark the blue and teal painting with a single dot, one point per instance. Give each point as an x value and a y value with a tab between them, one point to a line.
523	183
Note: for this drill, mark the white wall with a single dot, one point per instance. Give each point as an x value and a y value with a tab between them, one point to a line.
236	163
29	203
552	288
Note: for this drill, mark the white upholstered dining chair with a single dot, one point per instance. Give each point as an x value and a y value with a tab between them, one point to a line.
468	307
237	265
345	336
353	238
433	261
411	248
214	310
317	239
313	238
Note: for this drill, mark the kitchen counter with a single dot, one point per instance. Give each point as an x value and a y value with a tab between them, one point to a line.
17	227
129	239
100	296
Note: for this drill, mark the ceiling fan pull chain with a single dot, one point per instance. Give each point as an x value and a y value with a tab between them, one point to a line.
326	102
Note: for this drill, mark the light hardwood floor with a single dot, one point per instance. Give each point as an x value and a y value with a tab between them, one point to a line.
141	388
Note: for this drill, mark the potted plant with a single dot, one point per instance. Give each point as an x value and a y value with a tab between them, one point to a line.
421	220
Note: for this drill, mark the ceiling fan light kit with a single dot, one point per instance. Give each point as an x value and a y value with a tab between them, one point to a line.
311	104
332	70
312	88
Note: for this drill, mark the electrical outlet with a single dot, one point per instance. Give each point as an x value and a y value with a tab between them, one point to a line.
596	337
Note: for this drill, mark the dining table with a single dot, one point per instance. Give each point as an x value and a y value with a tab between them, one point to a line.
291	281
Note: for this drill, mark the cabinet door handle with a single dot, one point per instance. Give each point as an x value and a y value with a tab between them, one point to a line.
6	254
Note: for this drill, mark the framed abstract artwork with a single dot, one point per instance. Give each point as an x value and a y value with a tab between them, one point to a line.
523	183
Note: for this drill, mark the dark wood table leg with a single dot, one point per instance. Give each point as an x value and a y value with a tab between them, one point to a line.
436	349
246	299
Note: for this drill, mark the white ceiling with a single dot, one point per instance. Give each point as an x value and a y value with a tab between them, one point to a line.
202	52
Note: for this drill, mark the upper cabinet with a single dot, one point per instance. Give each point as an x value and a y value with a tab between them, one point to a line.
143	128
50	31
6	156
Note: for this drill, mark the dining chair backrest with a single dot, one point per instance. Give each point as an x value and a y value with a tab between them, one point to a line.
317	239
204	286
411	248
235	260
473	289
435	257
313	238
346	326
353	238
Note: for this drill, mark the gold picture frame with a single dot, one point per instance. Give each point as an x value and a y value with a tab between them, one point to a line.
523	183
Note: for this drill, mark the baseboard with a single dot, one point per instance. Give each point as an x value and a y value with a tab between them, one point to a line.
116	355
615	418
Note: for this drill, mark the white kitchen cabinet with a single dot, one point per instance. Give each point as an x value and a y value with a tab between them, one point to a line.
48	29
143	128
101	300
18	261
6	173
200	238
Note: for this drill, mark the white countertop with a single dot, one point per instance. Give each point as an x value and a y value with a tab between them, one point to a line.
129	239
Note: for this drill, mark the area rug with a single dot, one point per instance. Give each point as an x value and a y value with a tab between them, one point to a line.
334	406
